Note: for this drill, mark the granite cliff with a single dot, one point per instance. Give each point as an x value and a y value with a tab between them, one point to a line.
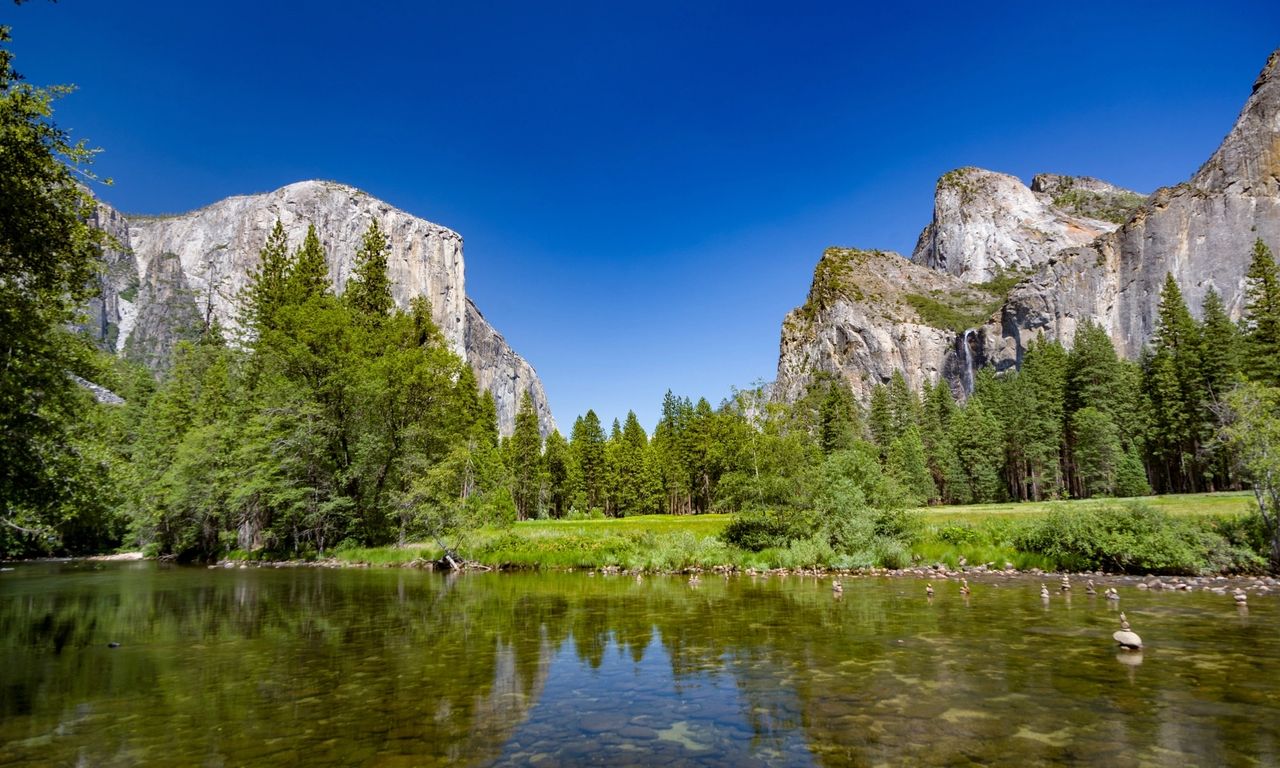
172	273
1002	262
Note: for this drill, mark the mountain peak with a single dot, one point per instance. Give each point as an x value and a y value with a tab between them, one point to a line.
1249	156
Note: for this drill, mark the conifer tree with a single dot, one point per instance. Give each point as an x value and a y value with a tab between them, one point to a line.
903	404
309	273
978	441
526	459
587	442
907	465
1220	361
369	290
1097	453
880	417
1175	389
1044	369
556	457
266	291
1262	316
837	417
1219	347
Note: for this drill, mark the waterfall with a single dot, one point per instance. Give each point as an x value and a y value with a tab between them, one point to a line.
968	362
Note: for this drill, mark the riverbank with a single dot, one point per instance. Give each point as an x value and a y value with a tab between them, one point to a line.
1190	535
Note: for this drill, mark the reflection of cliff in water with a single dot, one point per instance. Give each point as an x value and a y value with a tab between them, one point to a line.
401	667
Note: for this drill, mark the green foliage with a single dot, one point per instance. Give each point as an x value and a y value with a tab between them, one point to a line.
831	280
52	468
1253	431
1131	538
1262	315
525	463
1115	207
756	529
955	313
308	276
369	290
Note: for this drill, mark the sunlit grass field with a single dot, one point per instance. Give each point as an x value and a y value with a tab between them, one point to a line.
675	542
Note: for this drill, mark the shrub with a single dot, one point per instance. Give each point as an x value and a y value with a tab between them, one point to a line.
757	529
1123	538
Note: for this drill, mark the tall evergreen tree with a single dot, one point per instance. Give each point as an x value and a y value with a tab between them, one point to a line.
587	441
556	457
906	464
309	273
1219	347
978	441
369	290
267	291
837	417
526	459
1262	316
1175	390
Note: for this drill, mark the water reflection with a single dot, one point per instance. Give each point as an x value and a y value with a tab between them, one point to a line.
233	667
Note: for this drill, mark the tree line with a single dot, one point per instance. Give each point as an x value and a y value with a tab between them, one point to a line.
339	420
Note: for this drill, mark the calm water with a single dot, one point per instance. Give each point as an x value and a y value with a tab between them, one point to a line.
404	668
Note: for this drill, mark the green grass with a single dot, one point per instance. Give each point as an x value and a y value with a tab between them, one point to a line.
980	533
1232	503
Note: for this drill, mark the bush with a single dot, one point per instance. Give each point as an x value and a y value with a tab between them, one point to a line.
1133	538
757	529
956	533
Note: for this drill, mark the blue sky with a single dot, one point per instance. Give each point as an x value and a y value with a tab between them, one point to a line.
643	188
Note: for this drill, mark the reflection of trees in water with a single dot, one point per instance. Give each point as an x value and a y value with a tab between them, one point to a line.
312	665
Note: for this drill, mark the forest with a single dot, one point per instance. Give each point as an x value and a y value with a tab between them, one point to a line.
328	421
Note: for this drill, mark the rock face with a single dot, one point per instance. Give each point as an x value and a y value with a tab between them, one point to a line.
502	372
1090	250
865	317
178	271
988	224
1201	232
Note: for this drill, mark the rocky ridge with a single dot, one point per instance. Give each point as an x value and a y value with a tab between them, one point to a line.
174	272
987	224
1050	256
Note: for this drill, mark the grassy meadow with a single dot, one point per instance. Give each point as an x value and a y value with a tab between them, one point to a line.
983	533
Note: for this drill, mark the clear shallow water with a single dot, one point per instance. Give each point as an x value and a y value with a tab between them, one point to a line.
405	668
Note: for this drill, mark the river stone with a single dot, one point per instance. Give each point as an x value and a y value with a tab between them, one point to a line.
599	722
1127	638
637	732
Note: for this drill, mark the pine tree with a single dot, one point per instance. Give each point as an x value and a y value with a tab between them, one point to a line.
556	457
1175	388
587	442
1097	453
526	459
903	403
837	417
906	464
1220	368
266	290
309	275
1044	369
880	417
1262	316
978	442
1219	347
369	290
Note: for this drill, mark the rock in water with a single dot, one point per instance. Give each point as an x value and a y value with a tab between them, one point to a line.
1127	639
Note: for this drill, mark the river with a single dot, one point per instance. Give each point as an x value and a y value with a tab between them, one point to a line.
302	666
